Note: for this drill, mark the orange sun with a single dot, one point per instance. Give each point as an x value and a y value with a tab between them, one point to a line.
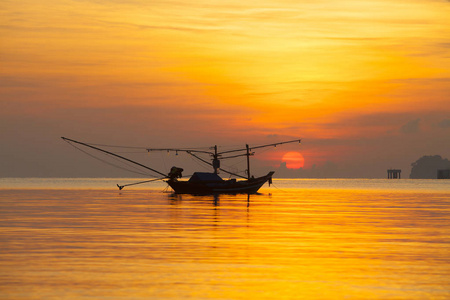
293	160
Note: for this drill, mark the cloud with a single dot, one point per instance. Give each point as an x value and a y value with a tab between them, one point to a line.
411	127
444	123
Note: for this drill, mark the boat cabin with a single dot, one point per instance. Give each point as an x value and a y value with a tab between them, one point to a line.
205	177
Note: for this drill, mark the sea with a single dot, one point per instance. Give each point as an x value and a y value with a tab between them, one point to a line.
83	238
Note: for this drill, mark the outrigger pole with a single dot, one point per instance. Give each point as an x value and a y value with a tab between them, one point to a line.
257	147
248	152
122	186
116	155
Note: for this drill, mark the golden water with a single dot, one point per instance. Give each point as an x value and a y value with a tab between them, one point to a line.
310	243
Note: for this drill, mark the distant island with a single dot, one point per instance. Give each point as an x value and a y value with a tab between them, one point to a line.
427	167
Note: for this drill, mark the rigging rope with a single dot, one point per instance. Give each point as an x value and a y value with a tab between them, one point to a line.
199	163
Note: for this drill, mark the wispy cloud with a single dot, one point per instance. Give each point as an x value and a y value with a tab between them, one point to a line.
411	127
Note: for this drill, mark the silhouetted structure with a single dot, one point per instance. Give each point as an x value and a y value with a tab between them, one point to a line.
200	183
394	173
427	167
443	174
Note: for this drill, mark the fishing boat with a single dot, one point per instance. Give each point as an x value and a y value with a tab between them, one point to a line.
212	183
201	183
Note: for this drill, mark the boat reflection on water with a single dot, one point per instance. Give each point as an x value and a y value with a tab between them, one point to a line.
175	198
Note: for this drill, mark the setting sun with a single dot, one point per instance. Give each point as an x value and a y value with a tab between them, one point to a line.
293	160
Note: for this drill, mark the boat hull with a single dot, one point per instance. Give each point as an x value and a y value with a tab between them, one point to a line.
250	186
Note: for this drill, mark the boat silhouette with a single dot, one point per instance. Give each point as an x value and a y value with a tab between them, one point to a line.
201	183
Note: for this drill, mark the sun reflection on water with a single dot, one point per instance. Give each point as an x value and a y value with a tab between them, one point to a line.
291	244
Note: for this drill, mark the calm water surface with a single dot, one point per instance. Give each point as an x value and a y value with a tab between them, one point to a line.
302	239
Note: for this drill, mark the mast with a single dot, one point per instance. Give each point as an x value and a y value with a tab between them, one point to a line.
248	161
216	161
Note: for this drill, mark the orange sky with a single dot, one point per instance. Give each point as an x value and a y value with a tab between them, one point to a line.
365	84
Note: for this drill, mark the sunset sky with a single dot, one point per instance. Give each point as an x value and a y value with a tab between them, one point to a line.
364	84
